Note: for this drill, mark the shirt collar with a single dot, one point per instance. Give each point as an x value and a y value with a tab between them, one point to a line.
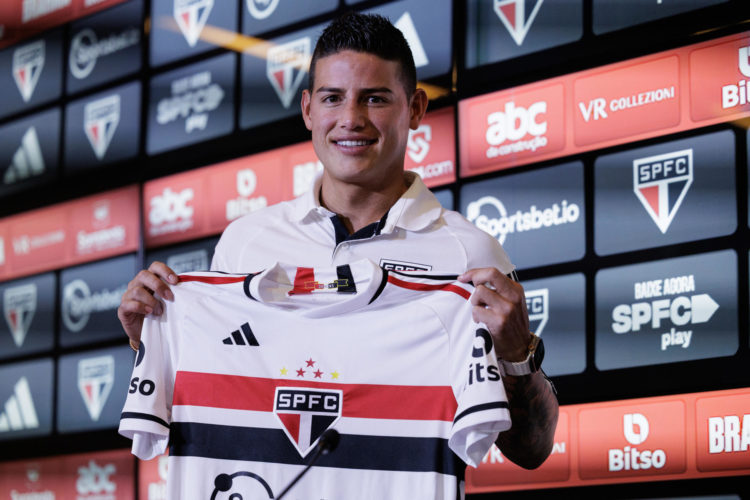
415	210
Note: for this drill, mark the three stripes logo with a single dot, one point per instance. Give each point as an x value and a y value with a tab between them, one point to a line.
19	412
28	61
191	17
517	16
27	161
243	336
661	183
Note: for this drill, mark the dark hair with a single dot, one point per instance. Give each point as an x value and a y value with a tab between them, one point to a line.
370	33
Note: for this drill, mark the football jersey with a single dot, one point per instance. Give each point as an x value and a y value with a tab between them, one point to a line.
242	374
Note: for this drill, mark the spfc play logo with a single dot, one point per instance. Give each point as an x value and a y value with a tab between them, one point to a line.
537	305
100	120
286	67
28	61
19	305
419	143
95	379
191	17
306	413
517	16
661	183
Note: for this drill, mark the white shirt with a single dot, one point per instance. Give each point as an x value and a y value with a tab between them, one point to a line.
417	234
243	373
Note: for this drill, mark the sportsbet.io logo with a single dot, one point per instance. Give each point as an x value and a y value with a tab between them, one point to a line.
306	413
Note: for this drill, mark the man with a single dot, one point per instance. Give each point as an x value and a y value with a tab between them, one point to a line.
361	103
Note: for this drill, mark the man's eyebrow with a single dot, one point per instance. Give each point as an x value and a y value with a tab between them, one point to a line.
373	90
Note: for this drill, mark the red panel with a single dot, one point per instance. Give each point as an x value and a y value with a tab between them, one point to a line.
300	168
38	240
152	478
431	151
175	208
723	433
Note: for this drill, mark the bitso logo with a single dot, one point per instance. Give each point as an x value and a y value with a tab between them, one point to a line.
661	183
405	24
19	408
500	224
95	481
78	303
419	143
27	160
306	413
191	17
516	19
19	305
193	97
286	65
261	9
28	61
537	305
85	49
100	120
514	124
737	95
247	181
170	212
95	379
636	431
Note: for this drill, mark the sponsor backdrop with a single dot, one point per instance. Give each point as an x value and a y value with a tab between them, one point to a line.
602	142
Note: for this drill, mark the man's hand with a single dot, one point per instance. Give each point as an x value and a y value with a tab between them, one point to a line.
139	299
500	304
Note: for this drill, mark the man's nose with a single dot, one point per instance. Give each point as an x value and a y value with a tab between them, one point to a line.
353	115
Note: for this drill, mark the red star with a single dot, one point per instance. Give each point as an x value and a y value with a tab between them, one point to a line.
300	372
318	374
310	362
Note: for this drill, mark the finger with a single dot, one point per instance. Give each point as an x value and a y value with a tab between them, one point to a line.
164	272
152	283
490	299
143	296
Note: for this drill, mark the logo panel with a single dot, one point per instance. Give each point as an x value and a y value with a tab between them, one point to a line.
430	150
719	77
723	432
306	413
19	410
19	306
661	183
95	379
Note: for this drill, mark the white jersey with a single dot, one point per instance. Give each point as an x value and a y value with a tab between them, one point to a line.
241	374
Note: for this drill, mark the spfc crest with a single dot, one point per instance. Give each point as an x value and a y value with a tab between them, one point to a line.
517	16
19	305
661	183
286	67
95	379
191	17
306	413
28	61
537	305
100	120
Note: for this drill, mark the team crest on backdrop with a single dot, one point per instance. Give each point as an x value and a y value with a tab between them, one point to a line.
19	305
517	16
537	305
100	120
661	183
191	17
305	413
28	61
95	379
286	67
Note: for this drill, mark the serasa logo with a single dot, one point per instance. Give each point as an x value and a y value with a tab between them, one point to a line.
636	431
247	181
418	144
261	9
171	212
512	125
85	49
79	303
503	224
96	480
736	95
193	97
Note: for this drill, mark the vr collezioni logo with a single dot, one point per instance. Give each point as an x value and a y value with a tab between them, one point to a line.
516	129
668	300
635	427
500	225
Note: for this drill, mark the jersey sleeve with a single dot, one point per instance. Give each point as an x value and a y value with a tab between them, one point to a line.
482	403
147	412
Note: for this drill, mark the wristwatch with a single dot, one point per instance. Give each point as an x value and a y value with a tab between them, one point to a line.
530	365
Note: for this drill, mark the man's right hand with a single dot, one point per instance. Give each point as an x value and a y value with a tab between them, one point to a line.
139	299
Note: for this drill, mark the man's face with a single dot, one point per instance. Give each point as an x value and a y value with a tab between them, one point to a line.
359	115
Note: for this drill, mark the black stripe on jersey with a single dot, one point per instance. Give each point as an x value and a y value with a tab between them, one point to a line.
246	285
437	277
353	451
482	407
143	416
344	274
383	282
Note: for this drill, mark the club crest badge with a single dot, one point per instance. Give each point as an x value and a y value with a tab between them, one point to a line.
516	17
306	413
19	305
191	17
28	62
286	66
661	183
537	305
95	379
100	120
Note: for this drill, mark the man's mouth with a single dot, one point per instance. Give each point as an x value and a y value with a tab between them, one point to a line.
354	143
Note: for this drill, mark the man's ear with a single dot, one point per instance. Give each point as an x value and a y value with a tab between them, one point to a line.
305	105
417	108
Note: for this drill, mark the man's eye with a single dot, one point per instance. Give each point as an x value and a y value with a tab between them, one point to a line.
331	98
375	99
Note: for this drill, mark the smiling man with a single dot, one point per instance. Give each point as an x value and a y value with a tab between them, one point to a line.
360	106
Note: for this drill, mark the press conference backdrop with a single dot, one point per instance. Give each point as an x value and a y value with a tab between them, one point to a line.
603	142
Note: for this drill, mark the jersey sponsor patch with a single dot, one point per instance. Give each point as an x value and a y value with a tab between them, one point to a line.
306	413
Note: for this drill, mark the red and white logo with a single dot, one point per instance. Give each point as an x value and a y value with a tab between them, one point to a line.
245	203
286	66
28	62
737	95
95	379
515	18
419	143
94	481
723	431
19	305
306	413
100	120
191	17
171	212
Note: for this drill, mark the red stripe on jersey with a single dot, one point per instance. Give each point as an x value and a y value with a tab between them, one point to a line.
213	280
304	281
426	288
236	392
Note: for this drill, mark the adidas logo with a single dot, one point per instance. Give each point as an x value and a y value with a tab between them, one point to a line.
246	337
19	409
27	160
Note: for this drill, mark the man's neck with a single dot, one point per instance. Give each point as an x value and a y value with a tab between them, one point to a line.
358	206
